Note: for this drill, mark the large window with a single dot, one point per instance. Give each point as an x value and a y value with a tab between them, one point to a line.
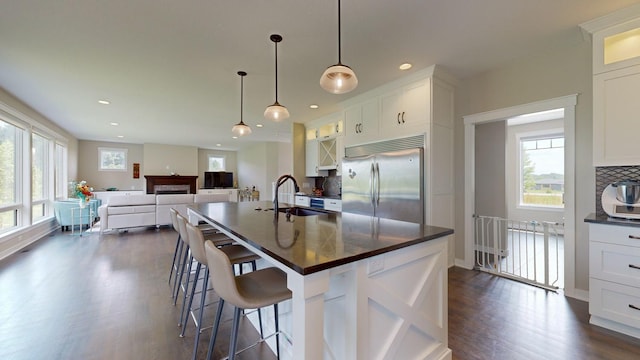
10	160
216	163
40	176
542	171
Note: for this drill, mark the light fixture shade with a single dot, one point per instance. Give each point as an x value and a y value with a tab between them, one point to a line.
276	112
241	129
338	79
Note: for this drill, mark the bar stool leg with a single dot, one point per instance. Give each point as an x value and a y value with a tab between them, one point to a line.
234	333
176	285
205	283
184	316
176	255
275	310
216	325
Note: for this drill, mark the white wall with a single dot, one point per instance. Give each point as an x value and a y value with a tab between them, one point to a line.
159	159
556	73
260	165
490	167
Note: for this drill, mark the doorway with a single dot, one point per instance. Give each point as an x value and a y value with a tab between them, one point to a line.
513	185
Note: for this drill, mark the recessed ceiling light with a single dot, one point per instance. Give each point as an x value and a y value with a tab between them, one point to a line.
313	106
259	125
234	137
218	144
120	136
114	124
405	66
104	102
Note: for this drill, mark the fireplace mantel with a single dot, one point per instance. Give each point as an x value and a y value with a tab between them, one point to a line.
153	180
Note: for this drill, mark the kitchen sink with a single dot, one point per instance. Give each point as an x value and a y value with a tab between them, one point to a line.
298	211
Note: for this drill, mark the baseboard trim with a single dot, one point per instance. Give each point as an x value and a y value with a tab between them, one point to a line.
18	240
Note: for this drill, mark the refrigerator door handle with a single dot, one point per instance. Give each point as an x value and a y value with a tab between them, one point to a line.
372	179
377	175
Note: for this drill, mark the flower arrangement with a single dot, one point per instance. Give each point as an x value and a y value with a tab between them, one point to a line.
81	190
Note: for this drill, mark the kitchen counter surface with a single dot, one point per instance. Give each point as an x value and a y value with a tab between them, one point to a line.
608	220
308	244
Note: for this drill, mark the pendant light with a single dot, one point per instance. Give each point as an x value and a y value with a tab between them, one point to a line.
241	129
339	78
276	112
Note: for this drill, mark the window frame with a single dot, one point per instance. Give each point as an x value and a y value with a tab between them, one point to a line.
530	136
212	156
16	207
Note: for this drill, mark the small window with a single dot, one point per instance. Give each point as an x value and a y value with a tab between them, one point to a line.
110	159
542	171
216	163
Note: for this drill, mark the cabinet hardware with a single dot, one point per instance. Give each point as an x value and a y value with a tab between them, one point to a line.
398	118
634	266
403	117
634	237
634	307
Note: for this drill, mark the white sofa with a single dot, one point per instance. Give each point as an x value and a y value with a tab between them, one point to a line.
121	212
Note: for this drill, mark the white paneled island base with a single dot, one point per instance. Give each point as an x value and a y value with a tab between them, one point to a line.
363	303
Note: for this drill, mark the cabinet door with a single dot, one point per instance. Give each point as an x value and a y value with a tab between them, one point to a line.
311	160
353	124
615	111
339	154
327	151
403	110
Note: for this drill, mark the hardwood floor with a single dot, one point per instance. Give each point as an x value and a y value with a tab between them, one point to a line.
495	318
107	297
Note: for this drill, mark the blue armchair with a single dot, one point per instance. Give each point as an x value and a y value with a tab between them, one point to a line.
62	212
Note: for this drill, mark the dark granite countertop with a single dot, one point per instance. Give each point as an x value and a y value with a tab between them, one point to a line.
608	220
308	244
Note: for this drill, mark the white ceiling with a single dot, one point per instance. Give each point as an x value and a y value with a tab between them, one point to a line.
169	67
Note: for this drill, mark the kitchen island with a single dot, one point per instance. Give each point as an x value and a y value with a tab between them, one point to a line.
363	287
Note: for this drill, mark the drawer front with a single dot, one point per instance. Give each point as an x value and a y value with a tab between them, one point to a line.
302	201
622	235
333	205
615	302
616	263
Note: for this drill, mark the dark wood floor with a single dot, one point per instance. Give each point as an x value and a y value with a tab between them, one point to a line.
106	297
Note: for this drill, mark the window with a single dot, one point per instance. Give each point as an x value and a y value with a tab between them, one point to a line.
40	176
216	163
60	171
110	159
10	160
542	171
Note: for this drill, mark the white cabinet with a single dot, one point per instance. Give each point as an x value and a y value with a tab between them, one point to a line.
404	111
301	200
105	195
615	117
614	277
333	204
311	165
233	193
616	83
361	122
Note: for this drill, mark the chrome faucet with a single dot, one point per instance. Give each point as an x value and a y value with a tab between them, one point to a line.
281	180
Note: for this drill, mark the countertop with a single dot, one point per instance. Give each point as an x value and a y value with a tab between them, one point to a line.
308	244
608	220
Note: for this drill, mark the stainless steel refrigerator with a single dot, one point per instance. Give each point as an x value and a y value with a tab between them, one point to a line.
387	185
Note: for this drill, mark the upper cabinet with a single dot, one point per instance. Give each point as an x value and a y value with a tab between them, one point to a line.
405	108
616	83
361	122
324	149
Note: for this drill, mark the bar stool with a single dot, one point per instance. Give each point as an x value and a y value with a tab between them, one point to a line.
254	290
218	238
236	254
177	254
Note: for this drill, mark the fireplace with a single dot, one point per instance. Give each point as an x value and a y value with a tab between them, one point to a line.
165	184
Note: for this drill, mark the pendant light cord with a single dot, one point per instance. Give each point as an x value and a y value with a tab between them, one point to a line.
339	33
275	42
241	96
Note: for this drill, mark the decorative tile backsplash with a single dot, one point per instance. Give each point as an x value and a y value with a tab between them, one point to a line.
606	175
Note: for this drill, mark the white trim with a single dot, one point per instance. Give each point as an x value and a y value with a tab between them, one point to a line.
568	103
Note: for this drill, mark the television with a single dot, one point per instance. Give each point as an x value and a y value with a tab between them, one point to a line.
218	179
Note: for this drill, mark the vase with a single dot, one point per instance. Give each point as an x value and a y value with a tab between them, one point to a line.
82	203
